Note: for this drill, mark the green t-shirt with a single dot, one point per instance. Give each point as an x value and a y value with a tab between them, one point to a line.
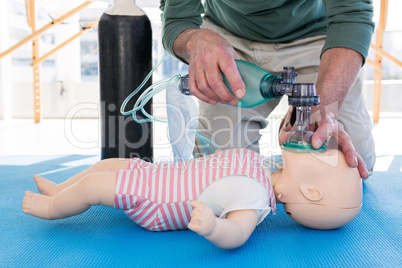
347	23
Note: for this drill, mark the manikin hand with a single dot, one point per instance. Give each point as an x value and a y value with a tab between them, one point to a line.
207	54
226	233
325	126
203	220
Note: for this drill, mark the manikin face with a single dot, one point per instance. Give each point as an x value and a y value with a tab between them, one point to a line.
319	190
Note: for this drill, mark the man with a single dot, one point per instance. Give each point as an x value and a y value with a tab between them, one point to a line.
326	40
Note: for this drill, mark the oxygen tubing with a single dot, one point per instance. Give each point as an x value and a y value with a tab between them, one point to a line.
148	94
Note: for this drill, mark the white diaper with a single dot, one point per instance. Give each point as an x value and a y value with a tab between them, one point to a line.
236	192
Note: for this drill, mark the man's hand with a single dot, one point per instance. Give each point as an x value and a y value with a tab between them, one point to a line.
326	125
207	54
338	70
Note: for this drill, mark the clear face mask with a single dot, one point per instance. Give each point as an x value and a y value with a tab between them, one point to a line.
300	141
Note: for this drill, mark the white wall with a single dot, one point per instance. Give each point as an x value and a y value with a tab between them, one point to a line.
391	96
58	100
68	60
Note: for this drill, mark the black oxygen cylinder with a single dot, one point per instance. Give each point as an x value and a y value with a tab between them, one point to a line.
125	58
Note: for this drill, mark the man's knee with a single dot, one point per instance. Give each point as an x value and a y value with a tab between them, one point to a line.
366	149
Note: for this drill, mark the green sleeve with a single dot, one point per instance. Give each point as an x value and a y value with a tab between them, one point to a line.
349	25
177	16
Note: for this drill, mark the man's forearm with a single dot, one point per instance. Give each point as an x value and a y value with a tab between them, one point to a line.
338	70
180	45
209	55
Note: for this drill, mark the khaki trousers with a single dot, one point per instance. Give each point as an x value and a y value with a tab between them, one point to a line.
232	127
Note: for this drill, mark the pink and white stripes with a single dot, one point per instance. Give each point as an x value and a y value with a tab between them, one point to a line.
157	196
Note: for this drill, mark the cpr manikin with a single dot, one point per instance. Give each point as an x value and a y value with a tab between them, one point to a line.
194	193
319	190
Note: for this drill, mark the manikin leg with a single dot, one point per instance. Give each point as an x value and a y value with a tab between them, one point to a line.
50	188
93	189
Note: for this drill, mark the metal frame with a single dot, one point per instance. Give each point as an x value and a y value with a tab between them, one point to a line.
34	37
377	63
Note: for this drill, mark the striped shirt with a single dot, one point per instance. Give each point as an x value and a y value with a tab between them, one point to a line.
157	196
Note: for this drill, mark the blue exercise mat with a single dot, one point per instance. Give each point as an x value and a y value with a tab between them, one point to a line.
106	237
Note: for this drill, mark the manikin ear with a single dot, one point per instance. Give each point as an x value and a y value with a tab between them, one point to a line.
311	192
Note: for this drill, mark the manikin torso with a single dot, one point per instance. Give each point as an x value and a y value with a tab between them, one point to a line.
319	190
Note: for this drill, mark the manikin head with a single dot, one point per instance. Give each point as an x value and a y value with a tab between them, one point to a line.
319	190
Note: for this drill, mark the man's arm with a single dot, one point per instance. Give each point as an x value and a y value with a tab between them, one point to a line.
177	16
208	54
338	70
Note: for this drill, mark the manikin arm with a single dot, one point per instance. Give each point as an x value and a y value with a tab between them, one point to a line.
227	233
